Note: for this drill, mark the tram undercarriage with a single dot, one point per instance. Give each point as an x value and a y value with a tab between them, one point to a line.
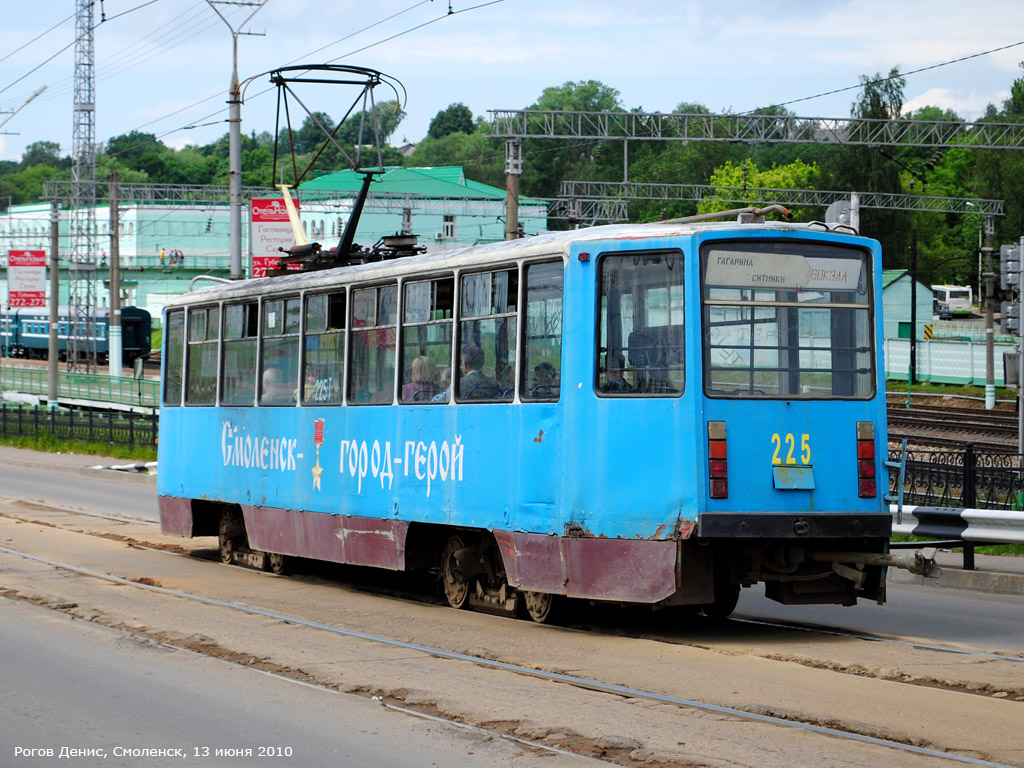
471	572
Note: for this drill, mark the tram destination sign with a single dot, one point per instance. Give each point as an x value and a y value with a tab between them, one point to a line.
782	271
26	278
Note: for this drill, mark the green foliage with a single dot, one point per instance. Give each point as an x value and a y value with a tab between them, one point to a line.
455	118
44	153
482	159
947	244
547	163
130	148
584	96
1014	106
692	163
27	186
795	175
51	444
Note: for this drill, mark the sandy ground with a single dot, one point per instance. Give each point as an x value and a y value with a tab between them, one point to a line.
972	705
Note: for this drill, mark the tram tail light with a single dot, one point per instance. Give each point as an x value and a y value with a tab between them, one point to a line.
867	487
718	464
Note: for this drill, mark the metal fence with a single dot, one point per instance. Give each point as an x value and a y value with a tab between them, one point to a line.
959	480
963	479
110	428
97	387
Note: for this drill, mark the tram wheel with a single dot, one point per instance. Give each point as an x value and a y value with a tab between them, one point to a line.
225	540
456	591
230	536
726	597
539	606
227	549
277	563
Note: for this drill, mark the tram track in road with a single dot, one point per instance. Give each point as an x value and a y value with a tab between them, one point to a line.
723	643
480	661
622	622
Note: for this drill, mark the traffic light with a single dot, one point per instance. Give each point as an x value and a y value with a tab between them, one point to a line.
1009	280
1009	324
1009	267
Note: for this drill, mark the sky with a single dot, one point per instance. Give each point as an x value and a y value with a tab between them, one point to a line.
164	66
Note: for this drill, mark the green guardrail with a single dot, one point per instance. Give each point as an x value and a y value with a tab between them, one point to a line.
93	387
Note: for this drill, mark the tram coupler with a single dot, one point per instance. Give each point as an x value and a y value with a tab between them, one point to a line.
920	562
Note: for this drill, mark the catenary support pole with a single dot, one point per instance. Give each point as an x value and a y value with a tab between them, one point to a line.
52	380
990	354
116	346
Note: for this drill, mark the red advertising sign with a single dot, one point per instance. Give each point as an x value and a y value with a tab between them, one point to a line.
26	278
270	209
269	230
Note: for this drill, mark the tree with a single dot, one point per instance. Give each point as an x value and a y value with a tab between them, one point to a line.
1014	106
547	163
482	158
882	97
455	118
27	186
388	115
872	169
43	153
796	175
130	148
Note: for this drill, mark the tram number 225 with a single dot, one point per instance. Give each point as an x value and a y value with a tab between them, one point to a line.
787	442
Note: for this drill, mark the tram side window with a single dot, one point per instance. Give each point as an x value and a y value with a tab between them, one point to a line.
238	372
371	378
487	336
542	332
640	334
175	365
279	370
201	364
324	361
427	340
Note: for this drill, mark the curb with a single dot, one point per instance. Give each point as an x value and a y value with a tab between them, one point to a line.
977	581
131	473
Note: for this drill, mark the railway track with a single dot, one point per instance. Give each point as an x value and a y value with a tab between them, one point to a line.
273	602
953	427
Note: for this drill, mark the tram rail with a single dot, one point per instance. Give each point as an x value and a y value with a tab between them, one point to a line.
575	681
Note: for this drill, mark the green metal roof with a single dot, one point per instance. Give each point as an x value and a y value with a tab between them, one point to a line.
447	181
890	276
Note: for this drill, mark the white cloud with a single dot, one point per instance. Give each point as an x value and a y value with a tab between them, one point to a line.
968	105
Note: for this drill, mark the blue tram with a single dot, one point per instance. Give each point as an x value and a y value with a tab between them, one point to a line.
650	413
25	332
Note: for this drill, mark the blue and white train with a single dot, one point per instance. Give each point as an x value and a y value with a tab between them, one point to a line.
25	332
649	413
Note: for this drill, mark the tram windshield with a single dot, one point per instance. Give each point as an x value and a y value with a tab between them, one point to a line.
786	319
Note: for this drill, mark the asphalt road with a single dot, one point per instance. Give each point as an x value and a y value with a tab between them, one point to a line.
62	479
113	697
930	614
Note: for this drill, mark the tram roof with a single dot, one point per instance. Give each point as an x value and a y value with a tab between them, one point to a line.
502	252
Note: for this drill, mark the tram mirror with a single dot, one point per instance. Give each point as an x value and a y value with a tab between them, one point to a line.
138	367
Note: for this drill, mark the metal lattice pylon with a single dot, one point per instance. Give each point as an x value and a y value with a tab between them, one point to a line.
81	352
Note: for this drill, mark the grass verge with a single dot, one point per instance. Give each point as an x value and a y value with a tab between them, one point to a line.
50	444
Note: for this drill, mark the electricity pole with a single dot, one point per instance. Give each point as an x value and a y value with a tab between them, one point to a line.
235	135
